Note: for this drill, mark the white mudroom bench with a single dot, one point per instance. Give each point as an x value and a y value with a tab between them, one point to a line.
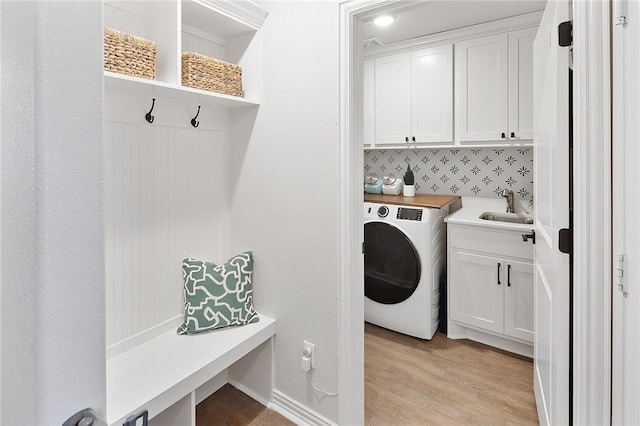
163	374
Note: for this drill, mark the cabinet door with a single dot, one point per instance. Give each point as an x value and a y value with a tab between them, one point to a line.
518	305
368	98
481	89
392	99
521	83
432	95
476	296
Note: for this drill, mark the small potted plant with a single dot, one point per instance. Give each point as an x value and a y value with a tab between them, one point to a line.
409	183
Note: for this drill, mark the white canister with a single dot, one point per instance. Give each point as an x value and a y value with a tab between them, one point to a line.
392	186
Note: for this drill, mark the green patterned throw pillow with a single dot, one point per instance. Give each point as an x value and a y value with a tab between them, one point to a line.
217	296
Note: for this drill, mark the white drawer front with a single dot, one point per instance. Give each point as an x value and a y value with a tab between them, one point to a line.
490	241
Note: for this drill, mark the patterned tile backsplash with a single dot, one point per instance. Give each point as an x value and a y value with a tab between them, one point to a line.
481	172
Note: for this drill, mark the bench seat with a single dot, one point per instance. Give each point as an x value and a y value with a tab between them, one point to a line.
159	372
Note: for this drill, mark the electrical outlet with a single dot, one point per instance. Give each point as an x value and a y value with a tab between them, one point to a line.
309	350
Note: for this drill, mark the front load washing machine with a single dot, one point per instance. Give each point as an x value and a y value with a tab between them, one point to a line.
404	258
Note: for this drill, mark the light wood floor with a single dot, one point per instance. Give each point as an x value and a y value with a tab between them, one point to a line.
410	381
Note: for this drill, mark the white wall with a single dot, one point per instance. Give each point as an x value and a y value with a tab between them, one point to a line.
284	202
17	215
51	237
70	243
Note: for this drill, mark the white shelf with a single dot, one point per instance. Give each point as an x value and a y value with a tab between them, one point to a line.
210	18
115	81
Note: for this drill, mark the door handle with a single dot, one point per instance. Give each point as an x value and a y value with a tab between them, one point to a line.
86	417
532	236
499	273
509	275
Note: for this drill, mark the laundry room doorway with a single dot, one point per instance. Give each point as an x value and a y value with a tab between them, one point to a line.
590	372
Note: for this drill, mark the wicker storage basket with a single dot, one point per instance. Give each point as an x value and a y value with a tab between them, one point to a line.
203	72
127	54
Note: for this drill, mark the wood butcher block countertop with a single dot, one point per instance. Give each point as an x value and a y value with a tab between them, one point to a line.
420	200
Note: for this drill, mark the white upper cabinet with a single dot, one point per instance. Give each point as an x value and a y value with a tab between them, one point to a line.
413	94
432	95
494	88
521	83
392	104
481	89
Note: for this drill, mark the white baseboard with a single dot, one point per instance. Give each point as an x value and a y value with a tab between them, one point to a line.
296	412
457	331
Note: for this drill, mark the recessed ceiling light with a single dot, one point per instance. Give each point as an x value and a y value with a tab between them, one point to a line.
384	20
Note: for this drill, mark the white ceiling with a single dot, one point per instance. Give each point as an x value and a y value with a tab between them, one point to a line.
433	16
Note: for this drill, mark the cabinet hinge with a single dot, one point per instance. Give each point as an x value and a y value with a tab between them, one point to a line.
565	240
620	278
363	247
565	34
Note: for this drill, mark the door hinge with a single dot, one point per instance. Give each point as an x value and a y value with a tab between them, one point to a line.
565	34
363	247
565	240
620	12
621	260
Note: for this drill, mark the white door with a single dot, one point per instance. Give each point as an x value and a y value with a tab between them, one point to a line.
432	95
481	89
626	227
392	99
521	84
518	300
476	287
551	177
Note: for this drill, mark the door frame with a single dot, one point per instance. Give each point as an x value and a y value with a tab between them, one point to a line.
592	213
592	223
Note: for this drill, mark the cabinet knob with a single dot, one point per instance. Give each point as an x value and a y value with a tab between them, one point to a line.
413	138
513	135
504	135
406	138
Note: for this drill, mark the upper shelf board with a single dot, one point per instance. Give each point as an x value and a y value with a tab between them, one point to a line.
226	19
117	81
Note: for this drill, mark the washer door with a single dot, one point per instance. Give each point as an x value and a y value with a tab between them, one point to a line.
391	264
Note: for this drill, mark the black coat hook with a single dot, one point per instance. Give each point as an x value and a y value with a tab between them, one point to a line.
148	115
195	123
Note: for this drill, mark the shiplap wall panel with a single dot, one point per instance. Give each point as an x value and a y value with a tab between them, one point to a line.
200	44
167	198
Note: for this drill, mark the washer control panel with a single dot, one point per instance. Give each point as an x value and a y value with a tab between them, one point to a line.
409	214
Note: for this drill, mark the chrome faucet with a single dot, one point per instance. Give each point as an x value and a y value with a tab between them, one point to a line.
508	194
